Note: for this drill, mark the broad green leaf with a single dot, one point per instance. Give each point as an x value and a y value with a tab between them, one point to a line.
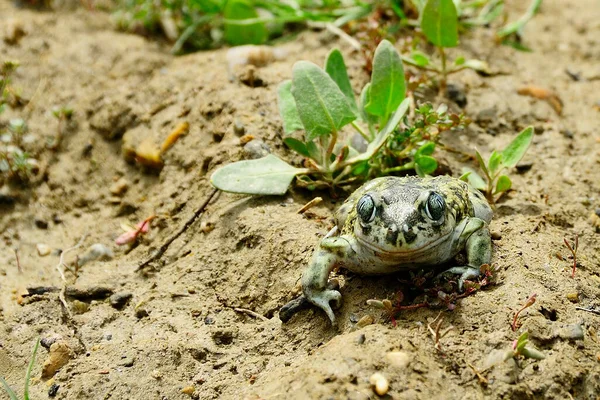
322	106
268	176
313	151
503	184
388	87
516	149
364	100
439	23
237	31
384	134
427	164
473	178
426	150
336	69
296	145
287	108
494	162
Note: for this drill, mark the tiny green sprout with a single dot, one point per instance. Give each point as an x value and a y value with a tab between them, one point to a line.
63	114
520	348
439	23
10	391
494	184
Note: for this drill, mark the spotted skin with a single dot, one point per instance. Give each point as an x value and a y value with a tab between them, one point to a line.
403	223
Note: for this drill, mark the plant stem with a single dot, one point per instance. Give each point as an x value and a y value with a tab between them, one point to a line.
332	142
405	167
368	138
444	71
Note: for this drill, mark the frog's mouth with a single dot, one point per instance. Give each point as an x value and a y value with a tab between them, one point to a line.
402	253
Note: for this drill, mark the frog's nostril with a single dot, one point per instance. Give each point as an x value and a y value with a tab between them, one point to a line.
392	235
405	228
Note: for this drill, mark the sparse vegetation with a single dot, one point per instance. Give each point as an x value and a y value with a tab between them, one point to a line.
9	390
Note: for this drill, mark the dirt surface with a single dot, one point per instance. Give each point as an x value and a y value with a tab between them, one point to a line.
182	332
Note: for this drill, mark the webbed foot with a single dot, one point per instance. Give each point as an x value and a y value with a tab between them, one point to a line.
325	300
465	272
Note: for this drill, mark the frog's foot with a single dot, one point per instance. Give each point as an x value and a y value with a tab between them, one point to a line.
324	300
465	272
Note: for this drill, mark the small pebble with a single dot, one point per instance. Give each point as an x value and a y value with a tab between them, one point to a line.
119	187
380	384
255	149
53	390
43	249
120	299
399	359
189	390
97	251
571	332
573	297
496	235
79	307
58	356
238	127
361	338
40	223
456	93
364	321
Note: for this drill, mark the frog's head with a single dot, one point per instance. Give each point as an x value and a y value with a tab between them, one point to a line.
409	218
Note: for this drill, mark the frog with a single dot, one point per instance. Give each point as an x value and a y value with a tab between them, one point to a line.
393	224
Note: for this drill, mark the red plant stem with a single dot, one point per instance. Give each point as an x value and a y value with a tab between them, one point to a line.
527	304
574	252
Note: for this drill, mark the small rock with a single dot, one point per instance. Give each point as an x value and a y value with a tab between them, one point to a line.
573	297
487	115
49	341
156	374
88	293
189	390
523	167
399	359
496	235
539	129
40	223
361	338
380	384
256	149
365	321
571	332
456	93
53	390
13	31
238	127
127	361
43	249
97	251
568	134
120	299
141	312
59	355
79	307
119	187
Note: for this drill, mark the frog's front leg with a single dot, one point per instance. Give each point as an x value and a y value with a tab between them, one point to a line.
478	246
331	252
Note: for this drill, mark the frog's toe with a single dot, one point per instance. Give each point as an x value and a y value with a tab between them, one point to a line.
325	300
465	273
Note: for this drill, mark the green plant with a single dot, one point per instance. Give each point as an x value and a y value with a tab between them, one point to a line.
204	24
64	115
321	103
520	348
11	393
439	23
494	182
6	93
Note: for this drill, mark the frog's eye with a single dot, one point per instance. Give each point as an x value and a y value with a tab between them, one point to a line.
366	209
435	206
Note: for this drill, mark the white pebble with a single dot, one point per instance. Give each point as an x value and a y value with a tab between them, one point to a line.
380	384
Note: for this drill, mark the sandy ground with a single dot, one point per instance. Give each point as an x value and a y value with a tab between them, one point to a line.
180	335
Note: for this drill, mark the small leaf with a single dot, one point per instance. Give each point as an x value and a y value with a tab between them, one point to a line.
530	352
494	162
296	145
267	176
336	69
503	184
473	178
287	108
322	106
426	150
439	23
516	149
11	393
313	151
237	32
419	58
459	61
388	87
482	164
427	164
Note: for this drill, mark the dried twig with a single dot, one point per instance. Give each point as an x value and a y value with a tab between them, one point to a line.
590	310
435	332
574	252
162	249
251	313
527	304
61	261
18	261
482	379
310	204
